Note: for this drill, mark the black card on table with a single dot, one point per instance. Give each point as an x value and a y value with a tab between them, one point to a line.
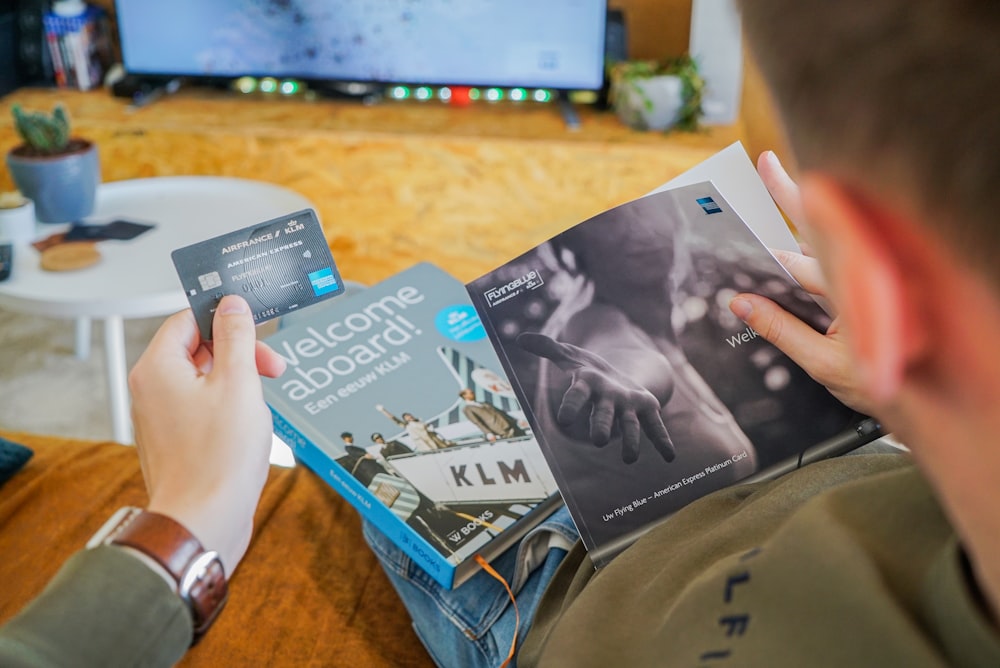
121	230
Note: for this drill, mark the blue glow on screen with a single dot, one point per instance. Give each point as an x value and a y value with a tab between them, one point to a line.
548	43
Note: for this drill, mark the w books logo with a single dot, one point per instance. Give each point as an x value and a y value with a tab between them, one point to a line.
501	293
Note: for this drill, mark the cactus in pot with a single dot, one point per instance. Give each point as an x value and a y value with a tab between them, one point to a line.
42	133
57	171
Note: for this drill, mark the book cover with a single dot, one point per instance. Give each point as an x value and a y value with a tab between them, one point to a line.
396	398
643	389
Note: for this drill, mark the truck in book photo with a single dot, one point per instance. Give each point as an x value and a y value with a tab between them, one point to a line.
395	397
644	391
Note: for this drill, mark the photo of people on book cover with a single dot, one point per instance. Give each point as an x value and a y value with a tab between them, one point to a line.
399	385
644	390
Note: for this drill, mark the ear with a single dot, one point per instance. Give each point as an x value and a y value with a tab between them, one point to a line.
863	249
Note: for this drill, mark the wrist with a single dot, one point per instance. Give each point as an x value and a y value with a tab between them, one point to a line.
214	519
197	576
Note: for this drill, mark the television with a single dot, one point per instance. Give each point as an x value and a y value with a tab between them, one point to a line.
556	44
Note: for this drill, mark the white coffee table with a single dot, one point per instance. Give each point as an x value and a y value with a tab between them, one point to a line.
136	278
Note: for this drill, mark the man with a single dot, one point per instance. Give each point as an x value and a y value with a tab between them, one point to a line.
866	560
891	109
360	463
493	422
391	448
422	435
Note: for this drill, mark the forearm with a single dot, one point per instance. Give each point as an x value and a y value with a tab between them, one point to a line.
102	603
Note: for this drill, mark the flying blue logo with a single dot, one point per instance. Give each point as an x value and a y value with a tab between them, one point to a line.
709	205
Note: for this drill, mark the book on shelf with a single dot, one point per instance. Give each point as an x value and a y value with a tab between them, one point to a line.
644	391
396	398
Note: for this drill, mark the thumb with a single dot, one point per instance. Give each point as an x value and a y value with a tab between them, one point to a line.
234	339
786	332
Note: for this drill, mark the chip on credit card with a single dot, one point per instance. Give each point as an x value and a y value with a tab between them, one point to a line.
278	266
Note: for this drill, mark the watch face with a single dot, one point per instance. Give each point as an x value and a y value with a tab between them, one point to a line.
203	588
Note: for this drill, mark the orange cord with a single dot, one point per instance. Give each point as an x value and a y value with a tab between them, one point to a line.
491	527
517	615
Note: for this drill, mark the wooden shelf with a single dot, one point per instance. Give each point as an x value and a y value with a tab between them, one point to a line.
396	182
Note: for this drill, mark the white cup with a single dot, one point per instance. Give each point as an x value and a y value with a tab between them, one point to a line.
17	223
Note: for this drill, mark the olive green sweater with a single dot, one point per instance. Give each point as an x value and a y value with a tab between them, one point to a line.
848	562
104	608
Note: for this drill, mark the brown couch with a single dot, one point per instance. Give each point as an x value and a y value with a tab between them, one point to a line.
308	593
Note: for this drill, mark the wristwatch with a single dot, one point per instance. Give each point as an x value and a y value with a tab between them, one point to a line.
198	575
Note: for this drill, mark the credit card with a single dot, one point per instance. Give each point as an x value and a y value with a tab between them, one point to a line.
278	266
122	230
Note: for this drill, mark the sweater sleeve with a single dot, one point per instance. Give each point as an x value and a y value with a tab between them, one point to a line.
103	608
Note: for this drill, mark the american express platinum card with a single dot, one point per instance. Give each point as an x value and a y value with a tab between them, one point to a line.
278	266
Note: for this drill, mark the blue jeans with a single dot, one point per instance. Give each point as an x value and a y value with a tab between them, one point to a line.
473	624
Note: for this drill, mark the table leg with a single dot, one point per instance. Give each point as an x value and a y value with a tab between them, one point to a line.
82	338
114	357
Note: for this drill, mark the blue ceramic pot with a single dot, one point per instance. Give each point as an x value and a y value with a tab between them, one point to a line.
63	187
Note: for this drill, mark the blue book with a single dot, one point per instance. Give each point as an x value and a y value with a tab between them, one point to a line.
396	398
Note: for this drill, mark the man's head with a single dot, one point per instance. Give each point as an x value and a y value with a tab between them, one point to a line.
467	394
347	436
377	438
891	109
899	98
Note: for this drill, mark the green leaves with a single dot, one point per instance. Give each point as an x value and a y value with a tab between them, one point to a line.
45	134
684	67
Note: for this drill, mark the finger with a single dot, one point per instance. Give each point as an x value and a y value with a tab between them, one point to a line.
630	436
574	400
792	336
169	351
547	347
177	335
234	339
601	421
656	431
269	363
805	270
783	189
203	360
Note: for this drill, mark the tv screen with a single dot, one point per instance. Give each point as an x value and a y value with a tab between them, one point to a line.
540	43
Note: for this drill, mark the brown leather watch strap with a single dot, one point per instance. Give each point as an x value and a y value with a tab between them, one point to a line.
200	576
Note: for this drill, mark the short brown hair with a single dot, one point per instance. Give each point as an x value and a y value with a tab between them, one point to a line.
897	96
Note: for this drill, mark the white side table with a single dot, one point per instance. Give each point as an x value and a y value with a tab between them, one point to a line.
136	278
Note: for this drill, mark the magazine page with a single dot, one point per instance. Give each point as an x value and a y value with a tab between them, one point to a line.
400	387
735	176
644	390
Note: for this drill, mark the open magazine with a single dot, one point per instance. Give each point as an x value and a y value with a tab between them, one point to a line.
644	391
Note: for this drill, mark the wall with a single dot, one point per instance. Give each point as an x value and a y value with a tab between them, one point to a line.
656	28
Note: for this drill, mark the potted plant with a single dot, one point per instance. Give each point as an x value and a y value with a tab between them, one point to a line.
55	170
657	95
